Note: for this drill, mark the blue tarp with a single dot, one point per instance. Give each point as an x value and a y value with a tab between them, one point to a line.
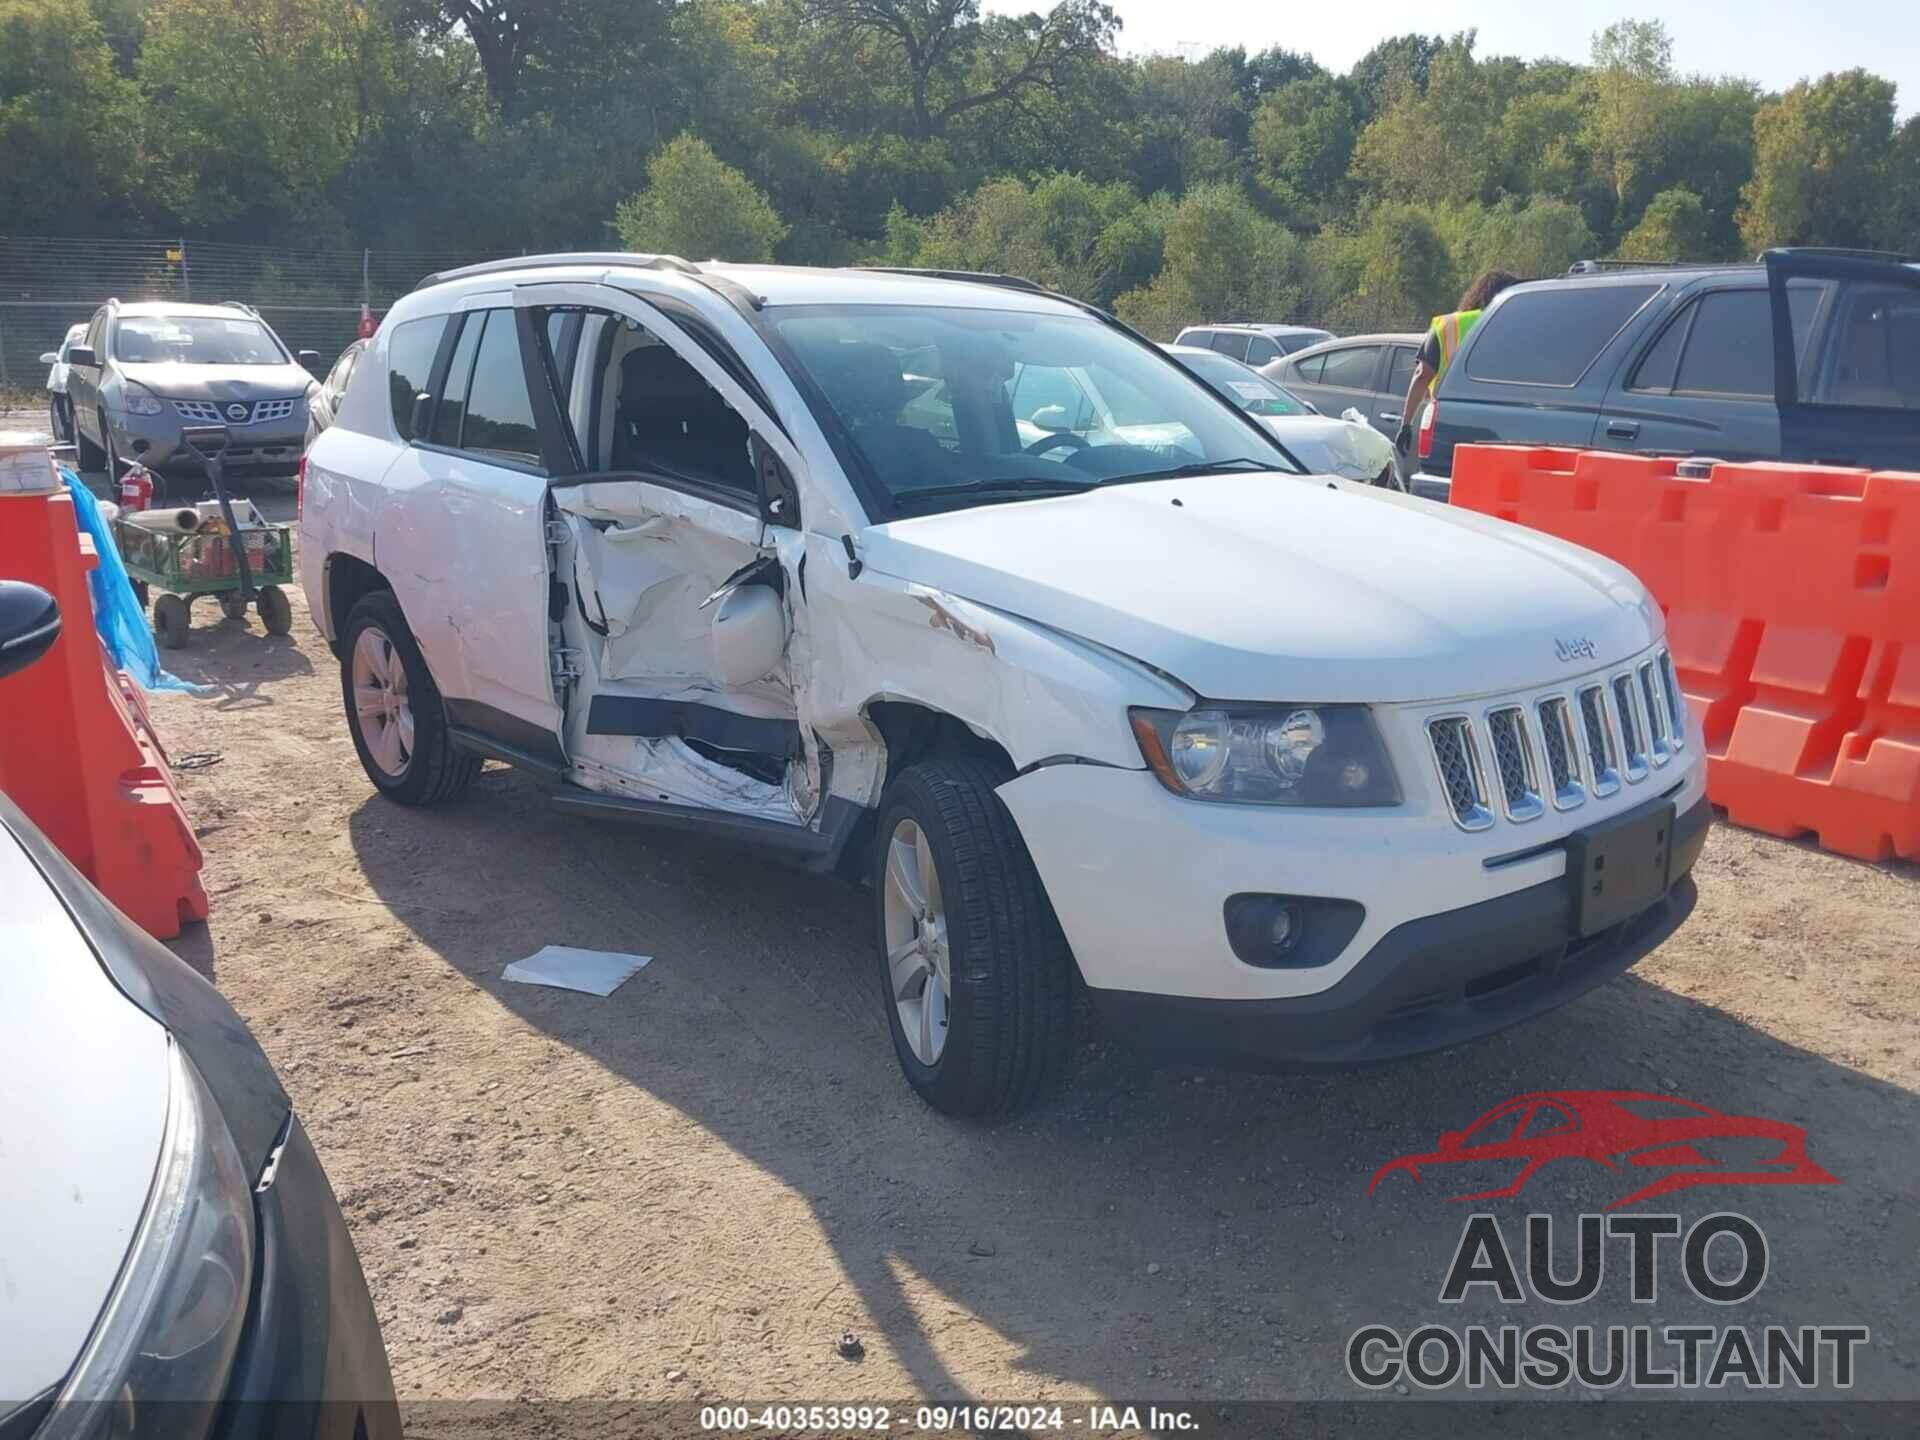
116	614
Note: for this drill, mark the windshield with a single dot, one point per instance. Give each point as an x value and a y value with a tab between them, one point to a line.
194	340
947	407
1247	388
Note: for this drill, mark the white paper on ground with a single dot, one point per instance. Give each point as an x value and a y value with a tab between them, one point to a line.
592	972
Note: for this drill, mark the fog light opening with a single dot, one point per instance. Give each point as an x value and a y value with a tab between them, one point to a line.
1290	932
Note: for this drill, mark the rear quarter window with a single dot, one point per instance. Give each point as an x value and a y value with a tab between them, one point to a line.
410	352
1551	337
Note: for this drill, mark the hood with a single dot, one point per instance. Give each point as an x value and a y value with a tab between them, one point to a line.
83	1087
1330	446
175	381
1284	587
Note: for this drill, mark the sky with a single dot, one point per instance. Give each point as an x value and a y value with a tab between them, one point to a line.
1775	42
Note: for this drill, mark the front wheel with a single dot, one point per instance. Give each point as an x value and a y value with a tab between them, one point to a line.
973	967
394	712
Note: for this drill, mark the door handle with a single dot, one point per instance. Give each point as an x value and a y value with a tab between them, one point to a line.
1623	429
1393	415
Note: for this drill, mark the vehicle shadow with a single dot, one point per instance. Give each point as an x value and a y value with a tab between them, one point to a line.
1149	1233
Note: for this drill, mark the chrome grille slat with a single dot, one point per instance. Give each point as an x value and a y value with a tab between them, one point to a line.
1603	751
1659	721
1630	726
1676	702
214	412
1557	742
1513	762
1457	759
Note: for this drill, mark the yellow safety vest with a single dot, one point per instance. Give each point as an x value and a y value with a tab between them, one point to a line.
1450	330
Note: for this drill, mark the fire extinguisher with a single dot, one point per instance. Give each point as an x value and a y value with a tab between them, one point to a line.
136	488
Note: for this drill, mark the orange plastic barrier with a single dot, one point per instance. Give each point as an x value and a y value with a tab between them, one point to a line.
1792	595
78	752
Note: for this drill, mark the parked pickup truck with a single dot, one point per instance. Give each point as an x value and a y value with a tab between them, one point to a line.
1285	769
1809	355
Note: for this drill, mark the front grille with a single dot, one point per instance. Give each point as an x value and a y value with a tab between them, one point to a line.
1513	762
1459	765
214	412
1586	742
1633	749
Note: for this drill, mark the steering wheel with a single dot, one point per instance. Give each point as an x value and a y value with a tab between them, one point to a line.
1057	437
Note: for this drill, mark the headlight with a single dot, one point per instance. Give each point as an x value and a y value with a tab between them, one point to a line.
158	1358
136	401
1268	754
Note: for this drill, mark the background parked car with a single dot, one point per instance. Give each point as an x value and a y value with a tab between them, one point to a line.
1255	344
324	403
1369	373
173	1253
1344	445
148	370
59	412
1812	355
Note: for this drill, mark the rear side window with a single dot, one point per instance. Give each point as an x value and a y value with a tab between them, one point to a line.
1310	369
1873	356
1261	351
410	352
1229	343
1728	348
1400	374
1551	337
1352	368
453	390
499	418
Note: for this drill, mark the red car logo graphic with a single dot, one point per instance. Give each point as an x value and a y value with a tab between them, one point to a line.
1622	1129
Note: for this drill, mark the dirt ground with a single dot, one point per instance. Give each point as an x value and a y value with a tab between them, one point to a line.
692	1188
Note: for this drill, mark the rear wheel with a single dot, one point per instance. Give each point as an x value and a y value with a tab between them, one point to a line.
394	712
973	967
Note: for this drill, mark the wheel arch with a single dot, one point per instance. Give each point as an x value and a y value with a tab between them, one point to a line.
345	581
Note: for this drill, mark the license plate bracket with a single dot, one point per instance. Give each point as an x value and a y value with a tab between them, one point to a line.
1619	867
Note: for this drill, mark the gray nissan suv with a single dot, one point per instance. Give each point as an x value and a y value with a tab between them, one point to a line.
146	370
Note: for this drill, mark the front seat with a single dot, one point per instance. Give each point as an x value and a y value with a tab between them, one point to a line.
864	382
669	417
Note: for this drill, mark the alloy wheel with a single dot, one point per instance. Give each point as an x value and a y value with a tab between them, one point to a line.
919	961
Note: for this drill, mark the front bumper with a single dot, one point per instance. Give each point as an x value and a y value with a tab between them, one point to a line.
311	1361
1427	984
154	440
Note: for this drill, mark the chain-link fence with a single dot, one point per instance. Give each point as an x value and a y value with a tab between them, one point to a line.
311	297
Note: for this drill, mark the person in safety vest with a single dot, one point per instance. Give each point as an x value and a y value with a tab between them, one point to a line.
1443	340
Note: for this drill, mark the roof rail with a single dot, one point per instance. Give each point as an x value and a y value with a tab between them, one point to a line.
978	277
627	258
241	305
1842	251
1602	267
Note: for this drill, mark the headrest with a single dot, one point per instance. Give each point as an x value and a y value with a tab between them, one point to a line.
863	380
655	372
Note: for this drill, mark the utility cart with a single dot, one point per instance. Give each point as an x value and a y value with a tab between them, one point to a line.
183	552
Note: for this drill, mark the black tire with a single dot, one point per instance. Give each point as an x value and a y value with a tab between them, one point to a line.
233	605
90	455
1010	1014
171	621
276	611
434	772
57	417
140	593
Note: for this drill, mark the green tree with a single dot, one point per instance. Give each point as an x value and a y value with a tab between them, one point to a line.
69	126
1903	217
1822	157
1674	226
1396	63
1223	260
1440	144
696	205
1393	271
1632	81
1304	134
265	104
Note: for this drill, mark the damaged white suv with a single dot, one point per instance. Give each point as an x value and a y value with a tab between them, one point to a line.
1285	769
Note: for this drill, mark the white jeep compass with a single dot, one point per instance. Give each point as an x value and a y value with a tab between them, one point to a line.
962	588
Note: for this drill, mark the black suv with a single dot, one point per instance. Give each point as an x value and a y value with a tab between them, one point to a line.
1810	355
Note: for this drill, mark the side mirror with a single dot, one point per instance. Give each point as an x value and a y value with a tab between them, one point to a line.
309	361
1312	409
82	355
422	415
51	357
29	624
1052	418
